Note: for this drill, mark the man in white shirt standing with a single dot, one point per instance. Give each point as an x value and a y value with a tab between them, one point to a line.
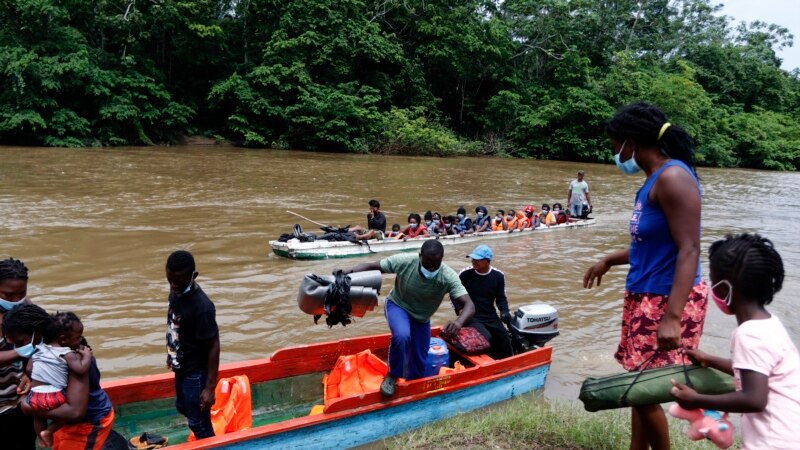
578	194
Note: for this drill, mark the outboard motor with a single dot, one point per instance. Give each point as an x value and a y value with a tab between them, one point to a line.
533	326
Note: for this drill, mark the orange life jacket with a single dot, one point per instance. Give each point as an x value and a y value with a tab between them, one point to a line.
232	410
498	226
354	374
522	221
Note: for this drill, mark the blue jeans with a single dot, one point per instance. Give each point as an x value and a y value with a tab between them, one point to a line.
188	387
576	209
409	343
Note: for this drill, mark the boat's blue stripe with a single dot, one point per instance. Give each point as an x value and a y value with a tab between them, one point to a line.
376	425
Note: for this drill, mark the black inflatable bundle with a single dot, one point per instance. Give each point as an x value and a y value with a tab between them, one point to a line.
340	297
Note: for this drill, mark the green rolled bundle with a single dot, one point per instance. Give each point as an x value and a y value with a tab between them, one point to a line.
651	387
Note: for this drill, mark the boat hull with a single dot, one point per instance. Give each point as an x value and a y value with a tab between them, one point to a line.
329	249
384	423
285	386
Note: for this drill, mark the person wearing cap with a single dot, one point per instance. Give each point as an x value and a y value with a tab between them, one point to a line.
486	287
578	195
419	288
529	214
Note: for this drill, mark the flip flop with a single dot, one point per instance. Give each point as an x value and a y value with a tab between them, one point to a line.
148	441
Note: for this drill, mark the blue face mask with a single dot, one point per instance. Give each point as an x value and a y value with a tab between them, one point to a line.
26	350
6	305
189	287
460	217
427	273
628	167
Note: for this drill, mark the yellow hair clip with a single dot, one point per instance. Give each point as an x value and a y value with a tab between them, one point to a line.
663	129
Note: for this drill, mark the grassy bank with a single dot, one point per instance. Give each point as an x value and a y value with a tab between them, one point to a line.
532	424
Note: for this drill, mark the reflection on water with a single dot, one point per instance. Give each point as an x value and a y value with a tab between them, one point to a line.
95	227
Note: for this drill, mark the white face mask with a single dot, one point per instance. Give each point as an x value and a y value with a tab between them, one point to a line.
628	167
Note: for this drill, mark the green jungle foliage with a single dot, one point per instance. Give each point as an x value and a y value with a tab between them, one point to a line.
527	78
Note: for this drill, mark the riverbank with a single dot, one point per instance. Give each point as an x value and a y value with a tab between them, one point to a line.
526	422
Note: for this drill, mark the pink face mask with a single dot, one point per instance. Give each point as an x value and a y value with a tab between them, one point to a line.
724	304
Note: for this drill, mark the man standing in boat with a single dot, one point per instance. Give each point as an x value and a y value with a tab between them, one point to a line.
421	283
376	224
578	195
192	344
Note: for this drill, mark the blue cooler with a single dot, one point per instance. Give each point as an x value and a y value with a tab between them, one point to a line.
438	356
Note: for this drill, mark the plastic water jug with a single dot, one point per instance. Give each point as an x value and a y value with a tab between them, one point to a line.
438	356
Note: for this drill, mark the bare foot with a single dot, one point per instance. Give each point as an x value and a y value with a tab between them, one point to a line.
45	439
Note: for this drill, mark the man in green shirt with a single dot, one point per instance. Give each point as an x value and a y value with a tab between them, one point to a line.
420	286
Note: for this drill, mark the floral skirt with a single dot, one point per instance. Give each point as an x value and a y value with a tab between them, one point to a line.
641	315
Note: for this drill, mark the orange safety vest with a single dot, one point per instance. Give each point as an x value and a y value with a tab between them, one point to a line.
522	221
354	374
498	226
233	409
412	233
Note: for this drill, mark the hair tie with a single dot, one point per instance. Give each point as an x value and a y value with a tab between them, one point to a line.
663	129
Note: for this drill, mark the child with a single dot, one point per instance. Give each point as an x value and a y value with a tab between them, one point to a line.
60	352
746	272
396	233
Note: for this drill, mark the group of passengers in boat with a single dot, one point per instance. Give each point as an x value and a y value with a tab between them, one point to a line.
432	223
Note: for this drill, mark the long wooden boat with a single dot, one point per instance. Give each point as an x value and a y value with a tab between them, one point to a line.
288	384
295	249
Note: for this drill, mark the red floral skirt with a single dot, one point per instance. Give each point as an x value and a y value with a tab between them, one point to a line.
641	315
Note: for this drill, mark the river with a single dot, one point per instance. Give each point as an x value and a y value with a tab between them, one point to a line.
95	227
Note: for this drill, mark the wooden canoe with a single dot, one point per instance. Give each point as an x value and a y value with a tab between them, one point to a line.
295	249
285	387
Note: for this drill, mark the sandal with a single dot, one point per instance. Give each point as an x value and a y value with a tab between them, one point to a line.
148	441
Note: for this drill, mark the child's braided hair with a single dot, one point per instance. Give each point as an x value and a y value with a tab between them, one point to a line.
751	263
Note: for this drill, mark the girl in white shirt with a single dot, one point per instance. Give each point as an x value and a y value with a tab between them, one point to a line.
746	272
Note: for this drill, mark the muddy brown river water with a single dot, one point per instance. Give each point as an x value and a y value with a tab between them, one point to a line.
95	227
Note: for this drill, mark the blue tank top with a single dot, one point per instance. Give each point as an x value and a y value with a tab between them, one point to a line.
653	252
99	404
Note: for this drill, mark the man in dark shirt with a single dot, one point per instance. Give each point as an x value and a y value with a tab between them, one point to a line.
376	224
192	344
486	287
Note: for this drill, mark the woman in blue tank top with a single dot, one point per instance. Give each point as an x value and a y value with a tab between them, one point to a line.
665	300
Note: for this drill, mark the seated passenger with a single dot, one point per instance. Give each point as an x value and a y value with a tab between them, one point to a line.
499	221
396	233
486	287
530	216
463	224
428	220
511	220
560	214
376	224
449	225
437	225
482	221
522	220
414	229
546	216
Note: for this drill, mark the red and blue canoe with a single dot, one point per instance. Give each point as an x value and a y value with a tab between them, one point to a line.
288	384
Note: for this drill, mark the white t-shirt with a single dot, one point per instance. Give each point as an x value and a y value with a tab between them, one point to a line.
765	347
578	188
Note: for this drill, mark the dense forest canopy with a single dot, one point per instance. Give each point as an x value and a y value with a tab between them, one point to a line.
531	78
